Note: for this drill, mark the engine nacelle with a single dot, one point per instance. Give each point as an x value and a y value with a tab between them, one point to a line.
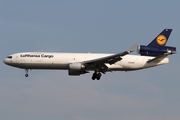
155	51
76	69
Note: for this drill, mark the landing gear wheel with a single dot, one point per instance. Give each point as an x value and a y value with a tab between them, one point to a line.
96	76
26	75
26	72
93	78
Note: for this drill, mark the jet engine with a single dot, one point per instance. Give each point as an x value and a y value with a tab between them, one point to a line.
76	69
154	51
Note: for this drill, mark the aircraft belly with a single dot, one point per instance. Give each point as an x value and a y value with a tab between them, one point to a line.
129	63
42	66
115	67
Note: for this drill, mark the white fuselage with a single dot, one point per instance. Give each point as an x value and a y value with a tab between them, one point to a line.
61	61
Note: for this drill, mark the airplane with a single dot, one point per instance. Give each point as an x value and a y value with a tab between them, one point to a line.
153	54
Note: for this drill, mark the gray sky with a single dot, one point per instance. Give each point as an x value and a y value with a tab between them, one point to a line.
97	26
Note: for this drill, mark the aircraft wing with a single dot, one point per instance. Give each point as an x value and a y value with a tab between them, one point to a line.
110	59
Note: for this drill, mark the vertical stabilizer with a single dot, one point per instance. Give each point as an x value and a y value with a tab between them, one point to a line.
161	39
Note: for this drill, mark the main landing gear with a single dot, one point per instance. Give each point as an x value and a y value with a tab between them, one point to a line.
98	70
96	75
26	75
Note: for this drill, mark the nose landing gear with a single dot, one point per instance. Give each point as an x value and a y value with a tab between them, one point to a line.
26	75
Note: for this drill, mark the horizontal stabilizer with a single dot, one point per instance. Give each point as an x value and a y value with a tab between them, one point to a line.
161	57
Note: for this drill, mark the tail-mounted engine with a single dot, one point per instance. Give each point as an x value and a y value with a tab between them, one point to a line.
155	51
76	69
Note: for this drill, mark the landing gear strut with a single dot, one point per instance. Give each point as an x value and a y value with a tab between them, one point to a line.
26	72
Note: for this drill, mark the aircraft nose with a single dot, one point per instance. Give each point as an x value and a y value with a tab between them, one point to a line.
6	61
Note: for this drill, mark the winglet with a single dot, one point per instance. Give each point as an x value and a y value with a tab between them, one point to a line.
132	48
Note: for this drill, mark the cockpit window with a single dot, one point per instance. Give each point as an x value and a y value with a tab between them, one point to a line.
9	57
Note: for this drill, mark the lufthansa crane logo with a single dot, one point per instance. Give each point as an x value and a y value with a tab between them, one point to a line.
161	40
